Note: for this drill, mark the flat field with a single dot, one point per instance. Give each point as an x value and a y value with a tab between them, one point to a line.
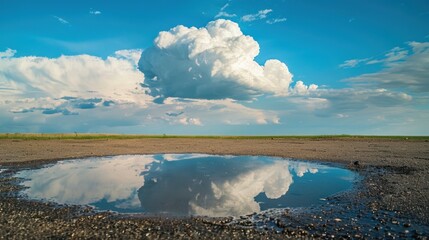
395	174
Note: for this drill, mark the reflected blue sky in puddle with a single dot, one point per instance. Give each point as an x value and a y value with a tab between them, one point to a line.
186	184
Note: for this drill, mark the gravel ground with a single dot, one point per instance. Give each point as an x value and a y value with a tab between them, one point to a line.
390	201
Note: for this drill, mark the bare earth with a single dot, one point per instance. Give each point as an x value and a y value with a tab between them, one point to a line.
405	181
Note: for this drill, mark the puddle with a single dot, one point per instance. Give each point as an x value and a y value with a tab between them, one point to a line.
186	184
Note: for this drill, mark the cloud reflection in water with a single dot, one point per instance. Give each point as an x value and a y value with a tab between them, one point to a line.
177	184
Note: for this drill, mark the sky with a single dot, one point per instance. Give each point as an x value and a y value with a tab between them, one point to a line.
238	67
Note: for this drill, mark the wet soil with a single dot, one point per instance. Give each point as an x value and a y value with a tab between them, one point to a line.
390	201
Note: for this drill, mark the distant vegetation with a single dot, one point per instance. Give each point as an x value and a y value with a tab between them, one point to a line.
48	136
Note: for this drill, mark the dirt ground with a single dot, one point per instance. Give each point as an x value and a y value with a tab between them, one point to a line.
405	163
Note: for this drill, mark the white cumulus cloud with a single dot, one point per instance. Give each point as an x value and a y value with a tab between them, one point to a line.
80	76
213	62
46	94
90	94
190	121
301	89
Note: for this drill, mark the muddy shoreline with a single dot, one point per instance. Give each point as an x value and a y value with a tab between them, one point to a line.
392	200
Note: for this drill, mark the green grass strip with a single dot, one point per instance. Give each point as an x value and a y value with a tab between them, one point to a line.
60	136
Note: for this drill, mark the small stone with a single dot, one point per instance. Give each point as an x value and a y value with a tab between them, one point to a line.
337	220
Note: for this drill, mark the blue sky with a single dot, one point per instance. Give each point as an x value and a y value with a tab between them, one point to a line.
310	67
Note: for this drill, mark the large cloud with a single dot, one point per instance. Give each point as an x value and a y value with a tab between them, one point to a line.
67	84
90	94
80	76
213	62
87	93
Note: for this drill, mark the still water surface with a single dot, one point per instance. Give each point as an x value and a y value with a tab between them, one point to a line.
186	184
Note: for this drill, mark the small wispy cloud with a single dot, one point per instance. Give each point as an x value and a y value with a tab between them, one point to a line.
276	20
400	71
394	55
223	13
96	12
351	63
260	15
8	53
224	7
342	115
61	20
